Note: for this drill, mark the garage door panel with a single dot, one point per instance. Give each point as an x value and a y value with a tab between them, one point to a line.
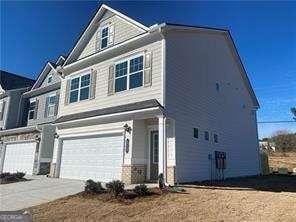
19	157
97	158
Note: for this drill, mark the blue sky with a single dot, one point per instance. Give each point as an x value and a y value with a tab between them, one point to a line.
264	32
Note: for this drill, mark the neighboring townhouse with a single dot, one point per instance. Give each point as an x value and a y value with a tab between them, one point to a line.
11	89
29	147
139	101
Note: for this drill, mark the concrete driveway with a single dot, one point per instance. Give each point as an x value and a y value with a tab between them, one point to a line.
38	190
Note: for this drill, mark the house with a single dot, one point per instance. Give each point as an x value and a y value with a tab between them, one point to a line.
139	101
29	146
266	145
11	88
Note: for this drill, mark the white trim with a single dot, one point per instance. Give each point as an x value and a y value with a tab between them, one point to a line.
107	37
110	115
126	17
92	133
20	141
163	52
42	74
101	53
51	105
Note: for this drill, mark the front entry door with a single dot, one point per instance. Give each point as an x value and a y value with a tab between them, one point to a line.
154	155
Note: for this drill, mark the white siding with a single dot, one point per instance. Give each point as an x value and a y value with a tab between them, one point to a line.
102	100
55	79
123	31
194	63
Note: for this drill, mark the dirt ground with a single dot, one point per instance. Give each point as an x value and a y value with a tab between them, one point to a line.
287	160
268	198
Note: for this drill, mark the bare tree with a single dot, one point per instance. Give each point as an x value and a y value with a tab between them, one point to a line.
293	110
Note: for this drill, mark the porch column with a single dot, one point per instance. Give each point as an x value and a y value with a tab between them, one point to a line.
162	162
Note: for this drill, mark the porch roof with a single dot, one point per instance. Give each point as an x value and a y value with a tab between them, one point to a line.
153	103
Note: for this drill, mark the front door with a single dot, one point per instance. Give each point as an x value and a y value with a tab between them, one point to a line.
154	155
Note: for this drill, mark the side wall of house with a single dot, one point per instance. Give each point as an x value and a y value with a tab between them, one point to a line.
195	64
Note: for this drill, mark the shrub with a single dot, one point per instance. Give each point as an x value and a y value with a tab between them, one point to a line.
93	187
4	175
19	175
141	190
161	183
115	187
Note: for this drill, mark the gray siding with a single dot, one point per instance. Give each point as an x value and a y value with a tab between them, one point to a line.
12	109
41	119
55	79
195	62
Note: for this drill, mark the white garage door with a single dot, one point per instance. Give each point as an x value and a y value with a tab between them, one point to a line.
98	158
19	157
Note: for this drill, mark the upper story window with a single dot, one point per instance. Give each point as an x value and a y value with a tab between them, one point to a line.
195	133
51	103
2	108
216	138
104	37
79	88
129	74
49	79
32	110
207	135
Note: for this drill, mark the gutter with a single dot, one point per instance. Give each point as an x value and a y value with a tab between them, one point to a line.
19	130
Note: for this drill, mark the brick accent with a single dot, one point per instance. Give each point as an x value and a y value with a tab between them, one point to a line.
171	175
132	174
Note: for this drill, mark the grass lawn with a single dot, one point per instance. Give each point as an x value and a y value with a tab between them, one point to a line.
269	198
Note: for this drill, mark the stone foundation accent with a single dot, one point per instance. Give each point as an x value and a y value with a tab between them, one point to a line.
171	175
20	136
132	174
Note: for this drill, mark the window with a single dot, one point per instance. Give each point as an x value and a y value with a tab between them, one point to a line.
207	136
155	146
49	79
195	132
32	110
104	37
129	74
51	105
215	138
217	86
2	110
79	88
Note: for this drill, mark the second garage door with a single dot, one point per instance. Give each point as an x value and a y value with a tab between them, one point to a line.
19	157
98	158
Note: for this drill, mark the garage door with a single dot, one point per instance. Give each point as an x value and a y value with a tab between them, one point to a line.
98	158
19	157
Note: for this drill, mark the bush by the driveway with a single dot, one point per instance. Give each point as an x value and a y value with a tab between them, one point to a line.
11	177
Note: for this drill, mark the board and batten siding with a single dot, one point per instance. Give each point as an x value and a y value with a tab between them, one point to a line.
102	99
123	30
195	62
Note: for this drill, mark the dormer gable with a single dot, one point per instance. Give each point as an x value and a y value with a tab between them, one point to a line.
48	75
107	28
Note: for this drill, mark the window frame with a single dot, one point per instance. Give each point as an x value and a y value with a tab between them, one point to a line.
128	74
207	138
79	76
51	105
30	110
106	37
216	134
49	77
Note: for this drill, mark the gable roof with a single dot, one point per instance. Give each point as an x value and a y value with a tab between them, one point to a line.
11	81
100	12
46	69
